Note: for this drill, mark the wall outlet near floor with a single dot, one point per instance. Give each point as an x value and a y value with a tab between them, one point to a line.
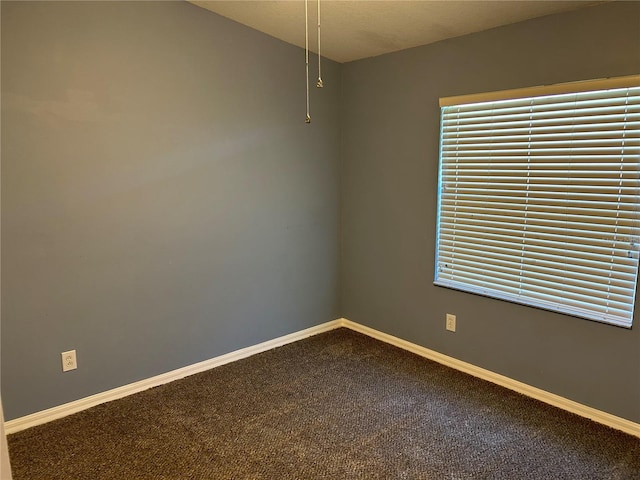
69	361
451	322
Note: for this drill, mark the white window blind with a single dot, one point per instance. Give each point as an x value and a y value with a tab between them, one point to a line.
539	199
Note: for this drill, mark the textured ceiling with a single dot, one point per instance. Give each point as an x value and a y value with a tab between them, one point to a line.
355	29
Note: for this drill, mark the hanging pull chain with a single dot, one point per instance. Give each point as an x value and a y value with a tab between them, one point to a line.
319	82
306	53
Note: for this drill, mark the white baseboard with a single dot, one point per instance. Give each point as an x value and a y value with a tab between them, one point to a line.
60	411
44	416
599	416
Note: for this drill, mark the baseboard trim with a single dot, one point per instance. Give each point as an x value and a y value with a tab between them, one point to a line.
44	416
599	416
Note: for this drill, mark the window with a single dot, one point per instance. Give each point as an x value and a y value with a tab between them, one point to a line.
539	194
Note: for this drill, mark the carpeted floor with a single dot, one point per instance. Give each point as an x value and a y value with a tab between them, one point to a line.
335	406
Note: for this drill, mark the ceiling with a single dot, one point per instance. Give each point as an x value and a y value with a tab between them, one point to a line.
355	29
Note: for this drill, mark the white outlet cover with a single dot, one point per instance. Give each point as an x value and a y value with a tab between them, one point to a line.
451	322
69	361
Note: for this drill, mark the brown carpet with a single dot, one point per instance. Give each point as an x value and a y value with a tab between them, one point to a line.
335	406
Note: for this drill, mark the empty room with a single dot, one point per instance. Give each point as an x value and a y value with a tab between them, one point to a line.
324	239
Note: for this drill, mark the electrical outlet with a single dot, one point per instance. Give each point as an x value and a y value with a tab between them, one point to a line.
451	322
69	361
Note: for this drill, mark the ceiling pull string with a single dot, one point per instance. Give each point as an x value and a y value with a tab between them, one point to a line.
306	53
319	82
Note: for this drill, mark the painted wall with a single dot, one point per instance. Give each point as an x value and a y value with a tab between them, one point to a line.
389	192
163	201
5	466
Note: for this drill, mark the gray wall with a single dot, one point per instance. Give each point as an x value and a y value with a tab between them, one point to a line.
163	201
5	466
388	203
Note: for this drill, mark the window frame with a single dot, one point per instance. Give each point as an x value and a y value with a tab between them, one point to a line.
525	93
